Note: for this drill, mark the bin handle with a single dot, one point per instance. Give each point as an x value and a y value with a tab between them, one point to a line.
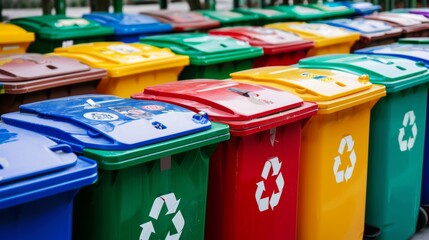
243	92
61	147
379	59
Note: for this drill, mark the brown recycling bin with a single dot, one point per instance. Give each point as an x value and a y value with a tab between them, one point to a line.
411	26
28	78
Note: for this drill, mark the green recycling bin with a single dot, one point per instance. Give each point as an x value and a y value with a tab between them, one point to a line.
210	56
230	18
311	12
54	31
397	137
265	16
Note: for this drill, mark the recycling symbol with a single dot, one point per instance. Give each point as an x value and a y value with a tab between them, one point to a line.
341	175
272	201
409	120
172	208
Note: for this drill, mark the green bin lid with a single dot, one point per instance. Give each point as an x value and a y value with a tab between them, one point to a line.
301	12
59	27
415	40
265	14
225	17
204	49
393	72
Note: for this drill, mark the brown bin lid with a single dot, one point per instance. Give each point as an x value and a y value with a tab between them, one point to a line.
183	21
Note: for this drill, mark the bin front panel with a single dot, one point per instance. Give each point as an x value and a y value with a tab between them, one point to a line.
14	39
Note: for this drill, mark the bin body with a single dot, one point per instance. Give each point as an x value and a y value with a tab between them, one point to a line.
334	147
54	31
411	26
39	184
26	78
230	18
130	67
213	57
152	171
280	47
327	39
265	16
396	146
14	39
247	195
129	28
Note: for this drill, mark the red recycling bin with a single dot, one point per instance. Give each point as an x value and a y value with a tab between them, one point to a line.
281	48
253	177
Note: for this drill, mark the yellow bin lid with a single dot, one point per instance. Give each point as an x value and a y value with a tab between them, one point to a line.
321	34
122	59
10	33
332	90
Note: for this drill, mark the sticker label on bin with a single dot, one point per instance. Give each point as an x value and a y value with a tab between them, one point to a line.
346	146
408	124
273	200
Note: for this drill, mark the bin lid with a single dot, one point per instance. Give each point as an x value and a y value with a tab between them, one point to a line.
272	40
397	20
332	10
393	72
10	33
333	90
122	59
107	122
361	8
241	105
300	12
60	27
264	13
225	17
415	40
126	23
413	16
422	11
365	26
205	49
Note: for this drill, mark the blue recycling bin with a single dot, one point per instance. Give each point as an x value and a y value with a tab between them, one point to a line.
39	180
129	28
361	8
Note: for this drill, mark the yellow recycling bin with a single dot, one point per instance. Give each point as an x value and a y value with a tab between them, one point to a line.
334	154
327	39
130	67
14	39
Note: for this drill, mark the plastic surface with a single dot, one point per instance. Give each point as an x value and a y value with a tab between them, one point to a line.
310	12
415	40
334	147
360	8
184	21
265	16
230	18
411	26
14	39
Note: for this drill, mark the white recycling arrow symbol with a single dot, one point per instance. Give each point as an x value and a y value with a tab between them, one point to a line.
172	205
409	120
264	203
341	175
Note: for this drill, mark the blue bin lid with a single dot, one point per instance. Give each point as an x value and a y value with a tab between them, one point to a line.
415	52
107	122
361	25
124	23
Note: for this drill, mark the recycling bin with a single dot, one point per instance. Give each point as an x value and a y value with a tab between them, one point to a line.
230	18
183	21
265	16
372	32
253	177
397	138
129	27
40	180
414	40
31	77
420	11
14	39
360	8
334	152
312	12
327	39
280	47
152	157
130	67
410	27
54	31
210	56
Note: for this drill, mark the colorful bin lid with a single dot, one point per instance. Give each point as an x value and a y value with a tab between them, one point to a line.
413	16
332	90
246	108
272	40
126	23
22	73
360	8
332	10
421	11
107	122
415	40
59	27
205	49
227	17
183	21
364	26
398	20
264	13
10	33
393	72
301	12
123	59
32	167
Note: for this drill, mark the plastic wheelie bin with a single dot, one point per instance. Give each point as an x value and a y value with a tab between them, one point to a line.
420	11
230	18
183	21
152	157
265	16
210	56
14	39
372	32
130	67
415	40
410	27
397	138
253	177
39	182
129	27
54	31
26	78
360	8
327	39
334	154
280	47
